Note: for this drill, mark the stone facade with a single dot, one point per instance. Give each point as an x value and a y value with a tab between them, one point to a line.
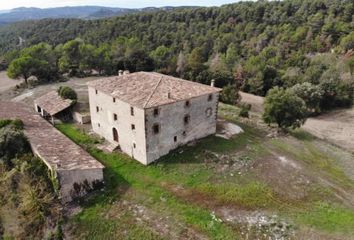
179	123
130	128
149	114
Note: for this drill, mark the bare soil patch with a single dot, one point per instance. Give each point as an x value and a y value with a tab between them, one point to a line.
336	127
255	101
6	82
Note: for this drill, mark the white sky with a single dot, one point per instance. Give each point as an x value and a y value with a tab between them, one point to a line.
9	4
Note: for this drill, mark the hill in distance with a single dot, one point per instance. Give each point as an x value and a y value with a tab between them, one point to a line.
80	12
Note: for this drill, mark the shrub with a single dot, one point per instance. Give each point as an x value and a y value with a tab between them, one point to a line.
12	143
311	94
18	124
4	122
245	108
67	93
230	94
284	108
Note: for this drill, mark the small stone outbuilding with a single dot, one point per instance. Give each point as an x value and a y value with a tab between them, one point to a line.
53	107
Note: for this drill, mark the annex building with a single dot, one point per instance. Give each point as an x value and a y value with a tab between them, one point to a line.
149	114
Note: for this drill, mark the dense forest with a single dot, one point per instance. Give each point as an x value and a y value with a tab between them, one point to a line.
252	45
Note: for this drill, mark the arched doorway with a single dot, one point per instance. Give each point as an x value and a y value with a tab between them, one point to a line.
115	135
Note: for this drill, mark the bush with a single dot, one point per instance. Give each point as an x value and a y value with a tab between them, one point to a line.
12	144
245	108
230	95
284	108
311	94
67	93
5	122
18	124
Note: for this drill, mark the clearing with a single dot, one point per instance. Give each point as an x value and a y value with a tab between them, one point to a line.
336	127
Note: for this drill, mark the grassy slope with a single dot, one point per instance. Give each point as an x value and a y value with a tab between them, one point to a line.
197	171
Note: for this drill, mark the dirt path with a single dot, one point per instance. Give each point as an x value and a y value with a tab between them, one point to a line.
6	82
336	127
255	101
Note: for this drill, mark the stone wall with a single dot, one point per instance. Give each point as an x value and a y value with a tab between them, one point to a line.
81	118
131	141
174	132
77	183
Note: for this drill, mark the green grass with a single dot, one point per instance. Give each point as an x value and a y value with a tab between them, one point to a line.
253	195
77	135
123	171
329	218
186	167
318	160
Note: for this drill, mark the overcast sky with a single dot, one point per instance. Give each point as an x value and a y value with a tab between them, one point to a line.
9	4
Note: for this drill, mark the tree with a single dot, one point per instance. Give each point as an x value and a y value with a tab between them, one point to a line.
311	94
284	108
161	56
338	92
103	59
71	57
45	53
25	67
196	60
351	65
181	64
67	93
230	94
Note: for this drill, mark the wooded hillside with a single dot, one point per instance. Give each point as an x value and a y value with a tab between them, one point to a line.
257	44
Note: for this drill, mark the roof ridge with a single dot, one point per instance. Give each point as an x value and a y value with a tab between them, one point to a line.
152	93
191	82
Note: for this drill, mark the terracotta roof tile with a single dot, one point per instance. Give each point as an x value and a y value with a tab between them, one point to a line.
52	103
147	90
58	151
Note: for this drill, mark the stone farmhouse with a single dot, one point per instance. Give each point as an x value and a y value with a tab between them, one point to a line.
149	114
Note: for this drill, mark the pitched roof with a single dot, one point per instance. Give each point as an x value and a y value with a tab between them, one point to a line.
148	89
52	103
54	148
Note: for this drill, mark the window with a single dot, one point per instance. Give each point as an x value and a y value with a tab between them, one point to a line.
134	145
99	125
210	97
187	104
114	99
175	139
187	119
156	112
96	91
97	109
133	126
184	133
209	112
156	128
39	109
115	117
132	111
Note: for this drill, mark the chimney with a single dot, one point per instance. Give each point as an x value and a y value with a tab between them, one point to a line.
120	72
126	72
212	84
